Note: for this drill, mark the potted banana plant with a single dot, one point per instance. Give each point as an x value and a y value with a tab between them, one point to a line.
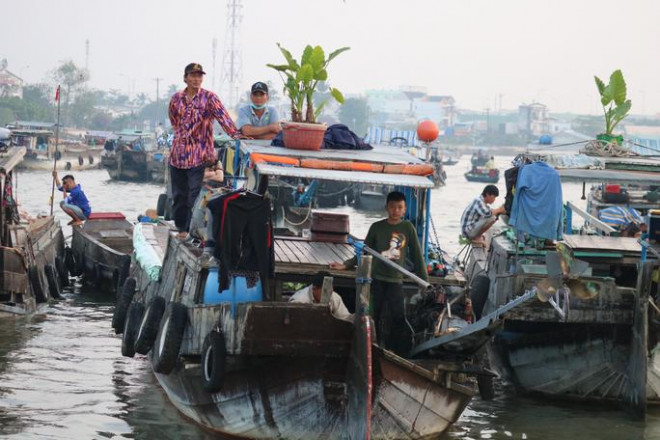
615	105
301	82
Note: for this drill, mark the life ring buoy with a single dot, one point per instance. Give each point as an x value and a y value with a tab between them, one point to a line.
131	327
148	330
35	283
62	272
51	277
214	361
124	300
170	335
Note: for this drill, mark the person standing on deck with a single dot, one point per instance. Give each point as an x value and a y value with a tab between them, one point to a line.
192	111
396	239
258	120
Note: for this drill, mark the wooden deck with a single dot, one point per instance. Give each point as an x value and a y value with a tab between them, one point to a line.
626	245
296	256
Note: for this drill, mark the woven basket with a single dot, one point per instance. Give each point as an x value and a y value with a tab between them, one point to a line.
303	136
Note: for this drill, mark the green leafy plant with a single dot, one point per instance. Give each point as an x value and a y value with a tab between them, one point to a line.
613	99
301	80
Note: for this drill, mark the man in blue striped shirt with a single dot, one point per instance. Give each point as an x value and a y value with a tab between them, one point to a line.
478	217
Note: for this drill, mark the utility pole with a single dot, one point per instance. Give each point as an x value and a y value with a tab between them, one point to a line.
87	55
231	78
158	80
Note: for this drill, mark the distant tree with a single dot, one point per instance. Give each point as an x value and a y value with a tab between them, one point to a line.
155	112
73	78
39	94
83	109
172	89
354	113
141	99
6	116
101	121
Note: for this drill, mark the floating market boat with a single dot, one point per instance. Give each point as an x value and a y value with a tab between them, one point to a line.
41	151
132	156
235	356
31	252
481	174
102	249
591	340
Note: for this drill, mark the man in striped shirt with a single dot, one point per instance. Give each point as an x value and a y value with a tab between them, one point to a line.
192	112
478	217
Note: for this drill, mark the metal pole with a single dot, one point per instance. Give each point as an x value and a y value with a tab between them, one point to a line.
57	141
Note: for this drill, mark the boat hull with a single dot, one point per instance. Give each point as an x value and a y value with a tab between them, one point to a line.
103	249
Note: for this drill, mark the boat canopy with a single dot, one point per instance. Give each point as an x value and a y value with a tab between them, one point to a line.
600	175
405	180
379	154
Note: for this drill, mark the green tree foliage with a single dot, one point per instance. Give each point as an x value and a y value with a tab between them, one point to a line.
354	113
73	79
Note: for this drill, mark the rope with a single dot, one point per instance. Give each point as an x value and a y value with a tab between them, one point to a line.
309	211
608	149
565	145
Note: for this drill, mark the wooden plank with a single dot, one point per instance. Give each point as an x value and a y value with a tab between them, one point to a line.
293	252
583	242
287	254
281	253
316	251
334	253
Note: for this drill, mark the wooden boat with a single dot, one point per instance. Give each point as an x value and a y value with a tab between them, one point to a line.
588	339
40	153
132	156
247	363
31	252
102	249
481	174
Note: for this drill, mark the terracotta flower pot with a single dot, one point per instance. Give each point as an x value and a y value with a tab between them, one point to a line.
303	136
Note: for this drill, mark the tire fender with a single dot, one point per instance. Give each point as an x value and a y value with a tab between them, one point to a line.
35	283
131	327
124	299
53	286
170	336
62	271
214	361
148	330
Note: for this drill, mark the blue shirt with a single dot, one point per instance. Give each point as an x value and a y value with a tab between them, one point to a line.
78	198
247	116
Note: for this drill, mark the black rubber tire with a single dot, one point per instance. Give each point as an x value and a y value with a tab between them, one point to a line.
70	261
58	155
479	293
150	324
170	336
214	361
131	326
81	161
124	300
35	282
62	272
91	159
124	271
67	166
161	206
53	286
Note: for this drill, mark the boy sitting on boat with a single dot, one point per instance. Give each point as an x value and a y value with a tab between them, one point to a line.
312	295
75	202
395	238
478	217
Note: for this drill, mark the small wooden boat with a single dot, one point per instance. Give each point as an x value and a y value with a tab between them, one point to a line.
31	250
481	174
102	249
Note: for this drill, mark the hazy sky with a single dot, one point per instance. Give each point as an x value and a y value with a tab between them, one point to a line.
475	50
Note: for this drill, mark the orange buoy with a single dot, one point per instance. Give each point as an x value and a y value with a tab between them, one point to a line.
427	131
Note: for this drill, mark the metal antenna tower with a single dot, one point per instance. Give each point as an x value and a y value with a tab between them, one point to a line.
87	55
232	76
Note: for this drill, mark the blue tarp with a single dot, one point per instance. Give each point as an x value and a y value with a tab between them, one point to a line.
537	204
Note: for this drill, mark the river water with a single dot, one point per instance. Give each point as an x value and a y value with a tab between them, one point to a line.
62	375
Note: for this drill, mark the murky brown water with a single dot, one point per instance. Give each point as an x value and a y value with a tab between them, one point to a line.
62	375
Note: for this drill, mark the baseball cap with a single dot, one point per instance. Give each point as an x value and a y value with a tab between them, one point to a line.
194	67
259	87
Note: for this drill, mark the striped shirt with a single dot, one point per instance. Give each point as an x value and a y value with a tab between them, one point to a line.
476	210
192	122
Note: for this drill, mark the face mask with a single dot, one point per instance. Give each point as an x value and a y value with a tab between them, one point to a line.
257	107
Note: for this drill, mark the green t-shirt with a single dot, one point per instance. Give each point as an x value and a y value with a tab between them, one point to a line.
394	242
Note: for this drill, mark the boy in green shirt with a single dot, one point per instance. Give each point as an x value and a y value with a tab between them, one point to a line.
394	238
